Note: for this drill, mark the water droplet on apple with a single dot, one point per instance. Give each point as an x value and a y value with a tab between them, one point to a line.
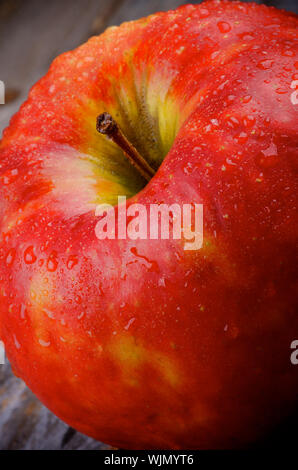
11	308
188	169
32	294
230	161
10	256
246	36
52	262
150	265
268	157
72	262
11	177
131	321
16	342
246	99
249	121
288	53
44	344
204	13
23	311
265	64
241	137
49	313
29	255
281	91
224	27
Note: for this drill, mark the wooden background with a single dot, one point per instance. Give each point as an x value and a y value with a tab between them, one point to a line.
32	34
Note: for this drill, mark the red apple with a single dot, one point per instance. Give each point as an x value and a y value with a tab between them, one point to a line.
140	343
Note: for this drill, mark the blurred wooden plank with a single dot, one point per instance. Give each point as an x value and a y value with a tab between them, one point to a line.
34	32
26	424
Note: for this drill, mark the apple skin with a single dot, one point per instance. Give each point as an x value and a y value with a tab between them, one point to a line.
139	343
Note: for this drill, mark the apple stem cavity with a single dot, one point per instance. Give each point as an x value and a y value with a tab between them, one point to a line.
105	124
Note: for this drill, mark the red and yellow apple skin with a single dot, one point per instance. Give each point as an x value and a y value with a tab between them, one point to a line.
142	344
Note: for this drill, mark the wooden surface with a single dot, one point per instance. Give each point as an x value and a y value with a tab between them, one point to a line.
26	424
32	33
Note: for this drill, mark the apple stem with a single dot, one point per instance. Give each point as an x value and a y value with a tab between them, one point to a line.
105	124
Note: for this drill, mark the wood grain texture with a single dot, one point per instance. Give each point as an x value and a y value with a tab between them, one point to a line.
32	33
26	424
